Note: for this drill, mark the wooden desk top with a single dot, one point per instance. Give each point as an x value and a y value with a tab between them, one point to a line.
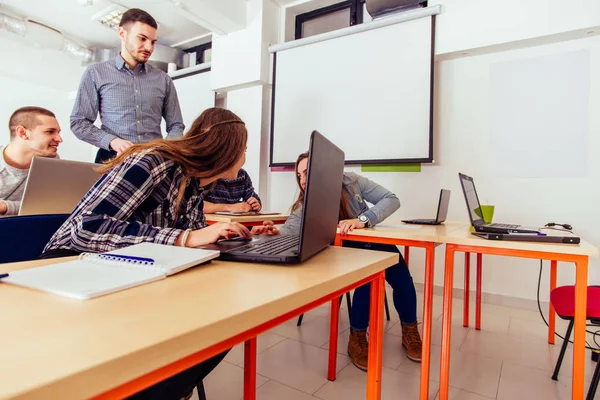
463	236
400	230
55	347
279	218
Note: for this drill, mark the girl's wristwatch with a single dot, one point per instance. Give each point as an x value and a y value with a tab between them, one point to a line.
364	220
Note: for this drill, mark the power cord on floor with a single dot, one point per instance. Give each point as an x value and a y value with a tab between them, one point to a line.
587	345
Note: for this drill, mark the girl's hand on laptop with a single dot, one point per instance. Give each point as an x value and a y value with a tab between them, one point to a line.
215	232
348	225
254	203
267	228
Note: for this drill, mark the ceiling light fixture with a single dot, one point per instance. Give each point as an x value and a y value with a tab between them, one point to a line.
110	17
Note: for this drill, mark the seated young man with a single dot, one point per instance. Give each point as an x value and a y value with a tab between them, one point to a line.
232	195
34	132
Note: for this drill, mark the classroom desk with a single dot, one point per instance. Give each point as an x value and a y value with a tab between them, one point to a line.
461	240
116	345
247	220
423	236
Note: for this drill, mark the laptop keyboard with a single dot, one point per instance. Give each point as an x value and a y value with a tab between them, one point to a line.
277	245
503	226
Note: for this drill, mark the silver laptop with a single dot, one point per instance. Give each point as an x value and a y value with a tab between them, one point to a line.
442	211
475	215
56	186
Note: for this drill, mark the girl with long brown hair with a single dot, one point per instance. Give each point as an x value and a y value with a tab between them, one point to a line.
356	214
153	192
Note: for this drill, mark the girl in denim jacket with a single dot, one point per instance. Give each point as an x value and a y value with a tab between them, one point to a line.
356	214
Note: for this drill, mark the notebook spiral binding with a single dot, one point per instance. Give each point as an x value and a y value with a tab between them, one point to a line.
121	262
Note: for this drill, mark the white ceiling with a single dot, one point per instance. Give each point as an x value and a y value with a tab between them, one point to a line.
75	20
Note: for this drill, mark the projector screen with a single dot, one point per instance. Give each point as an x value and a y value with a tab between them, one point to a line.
194	94
369	92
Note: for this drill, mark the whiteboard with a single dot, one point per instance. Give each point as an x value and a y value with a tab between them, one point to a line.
195	96
369	92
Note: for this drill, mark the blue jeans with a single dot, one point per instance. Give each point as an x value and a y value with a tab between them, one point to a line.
398	276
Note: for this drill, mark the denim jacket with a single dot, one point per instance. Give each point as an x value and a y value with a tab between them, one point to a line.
357	191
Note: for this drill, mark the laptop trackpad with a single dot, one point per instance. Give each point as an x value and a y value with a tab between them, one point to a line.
227	244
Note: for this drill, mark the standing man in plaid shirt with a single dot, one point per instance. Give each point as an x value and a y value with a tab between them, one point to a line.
131	96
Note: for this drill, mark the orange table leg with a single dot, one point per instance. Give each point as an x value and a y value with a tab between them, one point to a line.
467	289
250	369
427	312
333	338
446	322
338	240
551	312
375	365
579	328
407	254
478	293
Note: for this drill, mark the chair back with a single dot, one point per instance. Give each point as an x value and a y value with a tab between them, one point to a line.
23	238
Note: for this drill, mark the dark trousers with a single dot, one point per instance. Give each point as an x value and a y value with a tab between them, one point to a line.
399	278
182	384
104	155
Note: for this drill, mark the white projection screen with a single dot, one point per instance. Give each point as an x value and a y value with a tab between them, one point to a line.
369	92
194	94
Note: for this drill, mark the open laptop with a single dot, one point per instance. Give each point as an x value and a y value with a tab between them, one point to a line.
320	212
475	215
56	186
442	211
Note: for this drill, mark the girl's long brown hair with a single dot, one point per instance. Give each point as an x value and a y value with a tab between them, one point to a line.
214	143
344	209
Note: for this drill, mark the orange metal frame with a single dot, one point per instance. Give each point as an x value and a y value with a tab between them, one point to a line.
581	265
255	223
249	339
551	311
427	301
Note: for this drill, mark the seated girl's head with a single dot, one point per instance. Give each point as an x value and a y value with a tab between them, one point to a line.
214	147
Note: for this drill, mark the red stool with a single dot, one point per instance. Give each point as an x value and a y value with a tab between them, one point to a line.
563	300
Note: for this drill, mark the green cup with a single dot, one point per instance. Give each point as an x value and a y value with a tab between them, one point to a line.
486	212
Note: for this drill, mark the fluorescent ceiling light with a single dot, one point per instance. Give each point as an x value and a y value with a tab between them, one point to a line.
110	17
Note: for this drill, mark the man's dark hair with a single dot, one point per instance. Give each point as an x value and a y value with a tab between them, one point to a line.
27	118
136	15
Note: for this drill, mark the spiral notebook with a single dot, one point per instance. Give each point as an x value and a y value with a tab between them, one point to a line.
93	275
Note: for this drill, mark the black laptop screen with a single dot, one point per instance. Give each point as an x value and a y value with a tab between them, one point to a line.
472	200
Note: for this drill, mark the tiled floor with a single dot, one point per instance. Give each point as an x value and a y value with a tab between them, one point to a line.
508	359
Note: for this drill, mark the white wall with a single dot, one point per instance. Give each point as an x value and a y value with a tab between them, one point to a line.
247	104
462	125
469	24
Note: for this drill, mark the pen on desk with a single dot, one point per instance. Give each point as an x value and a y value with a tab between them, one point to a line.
124	257
3	276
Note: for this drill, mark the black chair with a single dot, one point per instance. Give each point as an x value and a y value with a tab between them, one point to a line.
23	238
349	306
200	389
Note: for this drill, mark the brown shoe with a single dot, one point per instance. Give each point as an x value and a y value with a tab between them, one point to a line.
358	349
411	341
